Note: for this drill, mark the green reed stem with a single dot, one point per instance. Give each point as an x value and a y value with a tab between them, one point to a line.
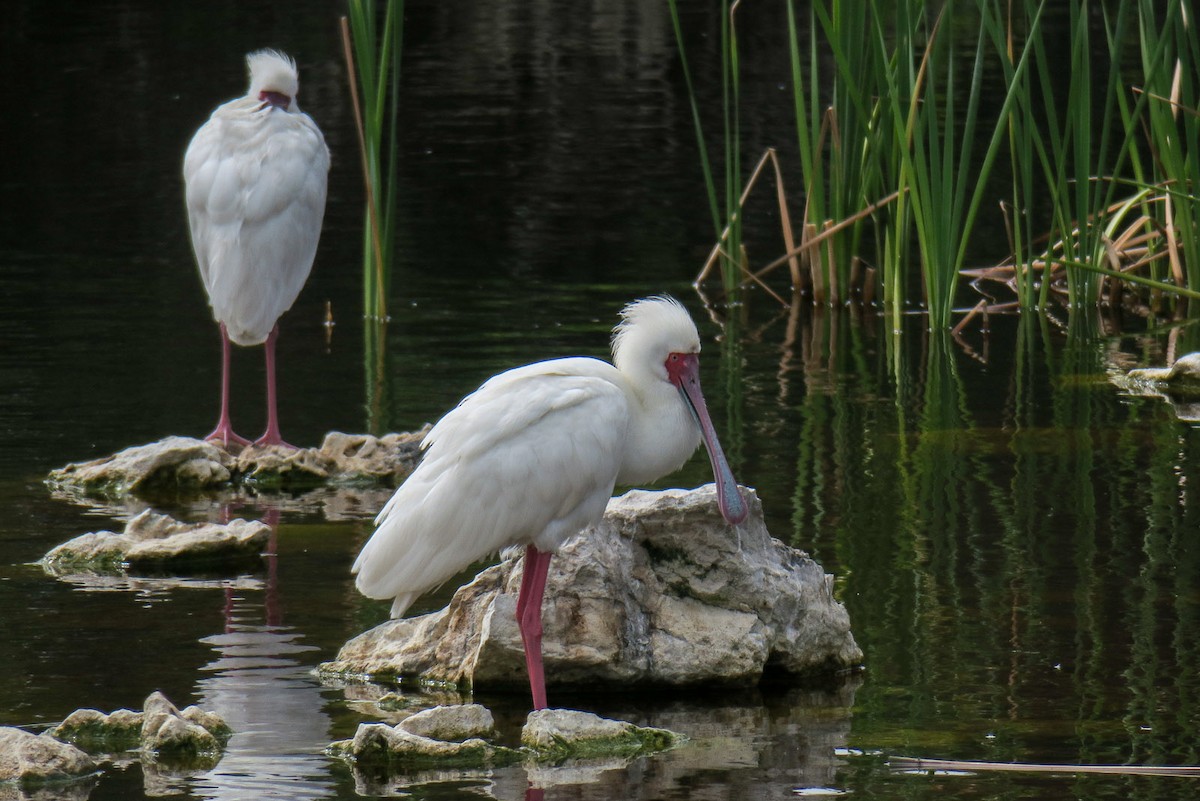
891	101
375	59
701	144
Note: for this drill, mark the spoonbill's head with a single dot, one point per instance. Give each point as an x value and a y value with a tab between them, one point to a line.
273	79
656	340
650	330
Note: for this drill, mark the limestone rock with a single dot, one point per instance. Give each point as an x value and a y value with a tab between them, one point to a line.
452	723
95	732
160	730
154	540
366	459
1183	374
554	735
457	737
279	467
1178	385
167	731
172	463
33	759
181	464
211	722
377	744
662	591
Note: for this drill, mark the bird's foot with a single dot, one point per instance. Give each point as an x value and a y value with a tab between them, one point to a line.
271	439
224	436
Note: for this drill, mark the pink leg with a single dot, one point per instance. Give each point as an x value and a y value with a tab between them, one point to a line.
223	433
529	619
271	435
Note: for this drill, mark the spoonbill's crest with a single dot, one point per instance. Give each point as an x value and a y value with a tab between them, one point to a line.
255	175
531	458
272	71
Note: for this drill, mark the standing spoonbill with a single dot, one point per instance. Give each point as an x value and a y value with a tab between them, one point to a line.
255	176
532	456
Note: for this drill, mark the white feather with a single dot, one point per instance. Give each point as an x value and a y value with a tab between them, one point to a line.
255	180
532	457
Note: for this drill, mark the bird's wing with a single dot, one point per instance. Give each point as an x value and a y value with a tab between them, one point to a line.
529	457
255	187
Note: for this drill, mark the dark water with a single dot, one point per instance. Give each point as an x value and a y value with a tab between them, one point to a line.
1016	540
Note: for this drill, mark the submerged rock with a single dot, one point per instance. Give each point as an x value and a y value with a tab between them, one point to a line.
158	541
97	733
182	464
190	734
661	592
442	737
161	730
555	735
35	759
1178	385
381	745
460	736
1183	374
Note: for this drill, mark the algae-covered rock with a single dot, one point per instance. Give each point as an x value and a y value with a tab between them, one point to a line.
31	760
1178	385
211	722
1183	375
191	737
392	702
95	732
452	736
152	540
181	736
555	735
391	747
459	737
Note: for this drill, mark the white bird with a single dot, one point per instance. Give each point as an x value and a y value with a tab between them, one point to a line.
532	456
255	176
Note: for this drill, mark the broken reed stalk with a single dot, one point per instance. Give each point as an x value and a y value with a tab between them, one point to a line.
811	242
919	764
810	245
1143	241
784	217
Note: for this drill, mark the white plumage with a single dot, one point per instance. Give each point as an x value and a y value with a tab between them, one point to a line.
532	456
256	181
255	176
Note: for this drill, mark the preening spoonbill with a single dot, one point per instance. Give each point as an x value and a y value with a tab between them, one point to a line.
255	177
532	456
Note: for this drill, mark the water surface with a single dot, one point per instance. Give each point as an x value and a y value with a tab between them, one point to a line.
1014	538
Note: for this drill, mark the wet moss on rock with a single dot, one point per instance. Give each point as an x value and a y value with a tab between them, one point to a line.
93	731
156	542
461	737
190	738
557	735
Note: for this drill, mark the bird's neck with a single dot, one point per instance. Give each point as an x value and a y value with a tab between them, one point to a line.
662	434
